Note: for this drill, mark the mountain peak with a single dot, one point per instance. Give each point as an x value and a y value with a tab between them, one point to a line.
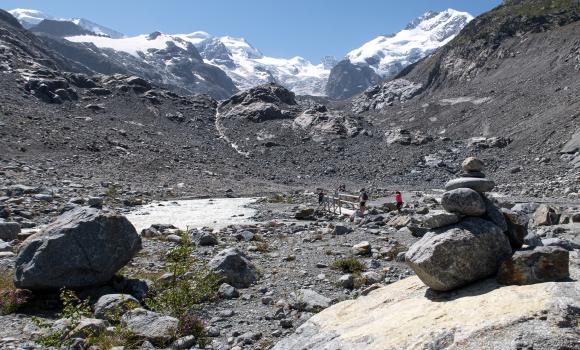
416	21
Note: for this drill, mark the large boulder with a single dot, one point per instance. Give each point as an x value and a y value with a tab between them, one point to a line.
9	230
234	268
463	201
476	184
84	247
542	264
150	325
481	316
459	254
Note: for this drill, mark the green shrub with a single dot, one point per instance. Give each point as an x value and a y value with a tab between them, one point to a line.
349	265
189	286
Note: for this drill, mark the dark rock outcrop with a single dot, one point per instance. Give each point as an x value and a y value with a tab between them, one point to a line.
347	80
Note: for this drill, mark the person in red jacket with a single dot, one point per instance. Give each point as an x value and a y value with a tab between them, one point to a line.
399	200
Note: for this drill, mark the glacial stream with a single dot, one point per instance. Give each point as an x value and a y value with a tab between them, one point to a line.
213	212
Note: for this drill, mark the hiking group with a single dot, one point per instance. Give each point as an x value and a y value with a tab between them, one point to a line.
363	198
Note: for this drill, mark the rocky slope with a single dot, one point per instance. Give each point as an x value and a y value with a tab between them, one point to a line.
506	85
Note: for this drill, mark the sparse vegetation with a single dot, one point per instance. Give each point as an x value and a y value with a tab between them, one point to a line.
282	198
189	324
112	192
263	247
11	299
349	265
117	336
73	309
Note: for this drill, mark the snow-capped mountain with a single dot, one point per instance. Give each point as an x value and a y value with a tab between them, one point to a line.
242	62
30	18
246	66
387	55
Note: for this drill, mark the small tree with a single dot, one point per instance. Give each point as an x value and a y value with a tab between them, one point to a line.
189	285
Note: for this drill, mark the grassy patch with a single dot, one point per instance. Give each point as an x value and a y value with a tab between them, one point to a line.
349	265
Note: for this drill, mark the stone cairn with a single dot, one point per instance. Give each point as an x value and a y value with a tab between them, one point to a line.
476	239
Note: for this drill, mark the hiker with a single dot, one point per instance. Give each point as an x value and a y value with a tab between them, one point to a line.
320	197
363	198
399	200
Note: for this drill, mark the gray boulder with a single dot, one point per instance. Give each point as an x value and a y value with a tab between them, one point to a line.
234	268
309	301
84	247
476	184
463	201
340	230
228	292
517	227
5	246
204	238
459	254
150	325
9	230
111	306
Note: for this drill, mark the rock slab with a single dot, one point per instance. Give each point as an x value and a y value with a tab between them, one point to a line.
404	315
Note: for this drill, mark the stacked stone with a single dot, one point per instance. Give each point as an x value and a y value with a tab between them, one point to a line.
479	241
470	249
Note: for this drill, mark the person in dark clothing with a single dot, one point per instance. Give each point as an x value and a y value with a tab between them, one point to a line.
399	200
363	198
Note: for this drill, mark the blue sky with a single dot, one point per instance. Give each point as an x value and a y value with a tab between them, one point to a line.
307	28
